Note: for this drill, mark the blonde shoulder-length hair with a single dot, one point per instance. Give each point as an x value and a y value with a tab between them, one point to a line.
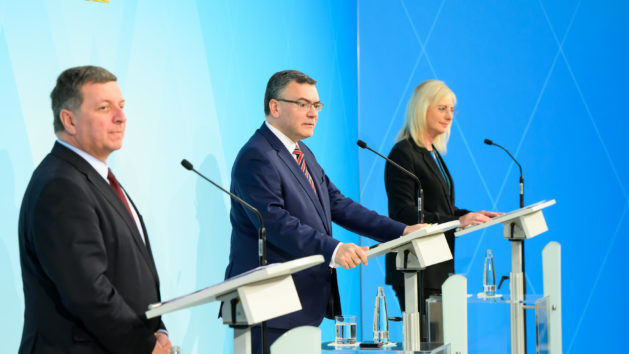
425	96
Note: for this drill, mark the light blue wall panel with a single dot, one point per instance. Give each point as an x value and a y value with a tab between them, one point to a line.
193	74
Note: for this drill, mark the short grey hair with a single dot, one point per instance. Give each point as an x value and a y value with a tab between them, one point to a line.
67	92
278	82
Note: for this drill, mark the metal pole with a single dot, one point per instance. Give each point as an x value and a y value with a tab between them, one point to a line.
516	287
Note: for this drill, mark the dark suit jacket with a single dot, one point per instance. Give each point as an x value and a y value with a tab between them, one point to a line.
88	277
438	204
298	223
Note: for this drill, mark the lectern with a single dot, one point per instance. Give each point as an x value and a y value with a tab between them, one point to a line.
415	251
519	225
248	299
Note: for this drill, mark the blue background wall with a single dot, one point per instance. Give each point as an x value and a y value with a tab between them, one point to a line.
543	78
547	80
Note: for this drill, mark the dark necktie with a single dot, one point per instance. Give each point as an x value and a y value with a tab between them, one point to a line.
116	186
301	162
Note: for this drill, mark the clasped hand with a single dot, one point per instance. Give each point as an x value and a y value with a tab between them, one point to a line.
162	345
348	255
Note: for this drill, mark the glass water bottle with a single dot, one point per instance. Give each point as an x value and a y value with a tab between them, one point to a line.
380	319
489	275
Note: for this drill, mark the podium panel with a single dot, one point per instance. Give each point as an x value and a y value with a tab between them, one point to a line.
527	226
261	301
432	250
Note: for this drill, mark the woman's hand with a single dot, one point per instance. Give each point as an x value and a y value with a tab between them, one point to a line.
410	228
490	214
477	217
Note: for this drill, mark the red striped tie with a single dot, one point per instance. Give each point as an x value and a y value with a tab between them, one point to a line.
301	162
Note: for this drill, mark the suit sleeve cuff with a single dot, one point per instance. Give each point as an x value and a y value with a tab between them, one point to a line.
332	262
401	228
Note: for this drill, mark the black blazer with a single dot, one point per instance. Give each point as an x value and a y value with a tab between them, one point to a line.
438	204
88	277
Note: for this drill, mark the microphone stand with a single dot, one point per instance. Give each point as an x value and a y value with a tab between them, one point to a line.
261	234
489	142
420	190
517	265
420	220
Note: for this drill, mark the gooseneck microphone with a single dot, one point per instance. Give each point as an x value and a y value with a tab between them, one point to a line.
261	235
489	142
521	244
420	191
261	231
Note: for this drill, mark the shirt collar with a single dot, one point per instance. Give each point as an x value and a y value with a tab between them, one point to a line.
289	144
97	164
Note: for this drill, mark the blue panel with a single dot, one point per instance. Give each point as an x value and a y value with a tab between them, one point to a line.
546	80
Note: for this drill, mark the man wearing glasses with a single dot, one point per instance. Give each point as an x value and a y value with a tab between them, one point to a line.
277	173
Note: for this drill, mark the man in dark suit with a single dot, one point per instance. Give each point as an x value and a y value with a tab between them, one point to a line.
277	173
87	267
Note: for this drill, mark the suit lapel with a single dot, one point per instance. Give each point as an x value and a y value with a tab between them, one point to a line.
447	175
292	166
115	201
144	246
323	201
112	198
432	164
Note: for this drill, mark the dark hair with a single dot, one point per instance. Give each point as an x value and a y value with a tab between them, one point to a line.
279	81
67	92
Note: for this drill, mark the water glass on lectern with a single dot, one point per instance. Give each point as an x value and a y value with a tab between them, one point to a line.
345	330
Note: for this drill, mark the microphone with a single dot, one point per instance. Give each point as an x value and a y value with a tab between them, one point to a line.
420	191
489	142
521	253
261	231
261	234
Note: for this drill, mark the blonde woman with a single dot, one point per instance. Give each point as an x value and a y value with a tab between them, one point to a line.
418	148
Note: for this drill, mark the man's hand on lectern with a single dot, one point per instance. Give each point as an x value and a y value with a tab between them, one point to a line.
349	255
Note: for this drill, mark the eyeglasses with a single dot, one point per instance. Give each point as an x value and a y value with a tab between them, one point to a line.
443	108
304	106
